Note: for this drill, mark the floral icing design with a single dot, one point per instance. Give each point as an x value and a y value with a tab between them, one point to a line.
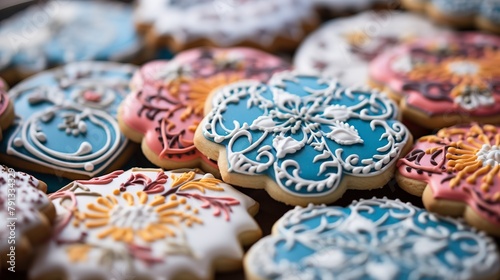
300	119
150	219
170	98
28	203
77	103
372	239
460	163
58	32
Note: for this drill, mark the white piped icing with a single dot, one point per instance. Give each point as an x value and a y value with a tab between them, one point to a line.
489	155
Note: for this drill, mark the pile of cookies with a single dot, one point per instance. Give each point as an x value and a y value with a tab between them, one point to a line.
232	139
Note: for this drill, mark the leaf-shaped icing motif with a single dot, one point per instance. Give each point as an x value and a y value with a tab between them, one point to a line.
337	112
284	100
286	145
263	123
344	134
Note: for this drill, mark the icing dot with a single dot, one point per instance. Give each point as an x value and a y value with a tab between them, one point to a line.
88	166
116	192
18	142
463	68
489	155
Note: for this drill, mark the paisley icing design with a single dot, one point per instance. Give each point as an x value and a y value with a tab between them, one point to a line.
344	47
22	200
463	12
58	32
260	22
157	222
462	164
371	239
169	98
66	118
455	74
305	133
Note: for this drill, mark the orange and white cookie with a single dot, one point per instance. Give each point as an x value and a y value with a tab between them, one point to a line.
445	80
26	213
6	108
457	171
168	98
147	224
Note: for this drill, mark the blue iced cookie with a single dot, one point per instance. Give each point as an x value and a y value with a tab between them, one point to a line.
59	32
302	138
66	120
371	239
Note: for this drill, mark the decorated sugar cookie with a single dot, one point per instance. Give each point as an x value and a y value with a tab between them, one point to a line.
346	6
371	239
66	120
168	100
266	24
344	47
445	80
302	138
58	32
147	223
6	108
457	172
26	213
484	14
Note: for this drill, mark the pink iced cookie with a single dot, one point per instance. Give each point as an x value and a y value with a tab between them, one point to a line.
457	172
168	100
6	108
443	81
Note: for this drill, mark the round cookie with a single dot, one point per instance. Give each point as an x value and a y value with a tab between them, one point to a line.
6	108
58	32
371	239
27	214
168	99
443	81
302	138
145	224
270	25
457	171
483	14
344	47
66	120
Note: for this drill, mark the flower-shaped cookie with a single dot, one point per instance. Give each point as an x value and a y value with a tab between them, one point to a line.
458	173
66	120
147	223
484	14
26	213
168	100
444	81
344	47
371	239
58	32
302	138
6	108
265	24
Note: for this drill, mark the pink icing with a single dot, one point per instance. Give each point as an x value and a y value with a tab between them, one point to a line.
160	120
4	98
432	168
383	72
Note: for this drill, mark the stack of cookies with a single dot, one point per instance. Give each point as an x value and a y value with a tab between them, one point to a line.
228	139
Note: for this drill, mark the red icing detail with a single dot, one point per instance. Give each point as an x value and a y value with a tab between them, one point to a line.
219	204
432	169
61	225
150	186
158	107
144	254
102	180
91	96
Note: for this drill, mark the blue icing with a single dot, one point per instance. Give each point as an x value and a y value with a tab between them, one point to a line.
304	134
65	31
371	239
465	7
491	11
67	117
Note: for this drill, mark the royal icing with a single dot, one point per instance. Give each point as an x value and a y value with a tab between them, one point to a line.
486	9
20	204
372	239
450	74
169	97
305	132
58	32
343	5
344	47
66	118
260	21
145	223
462	164
4	97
